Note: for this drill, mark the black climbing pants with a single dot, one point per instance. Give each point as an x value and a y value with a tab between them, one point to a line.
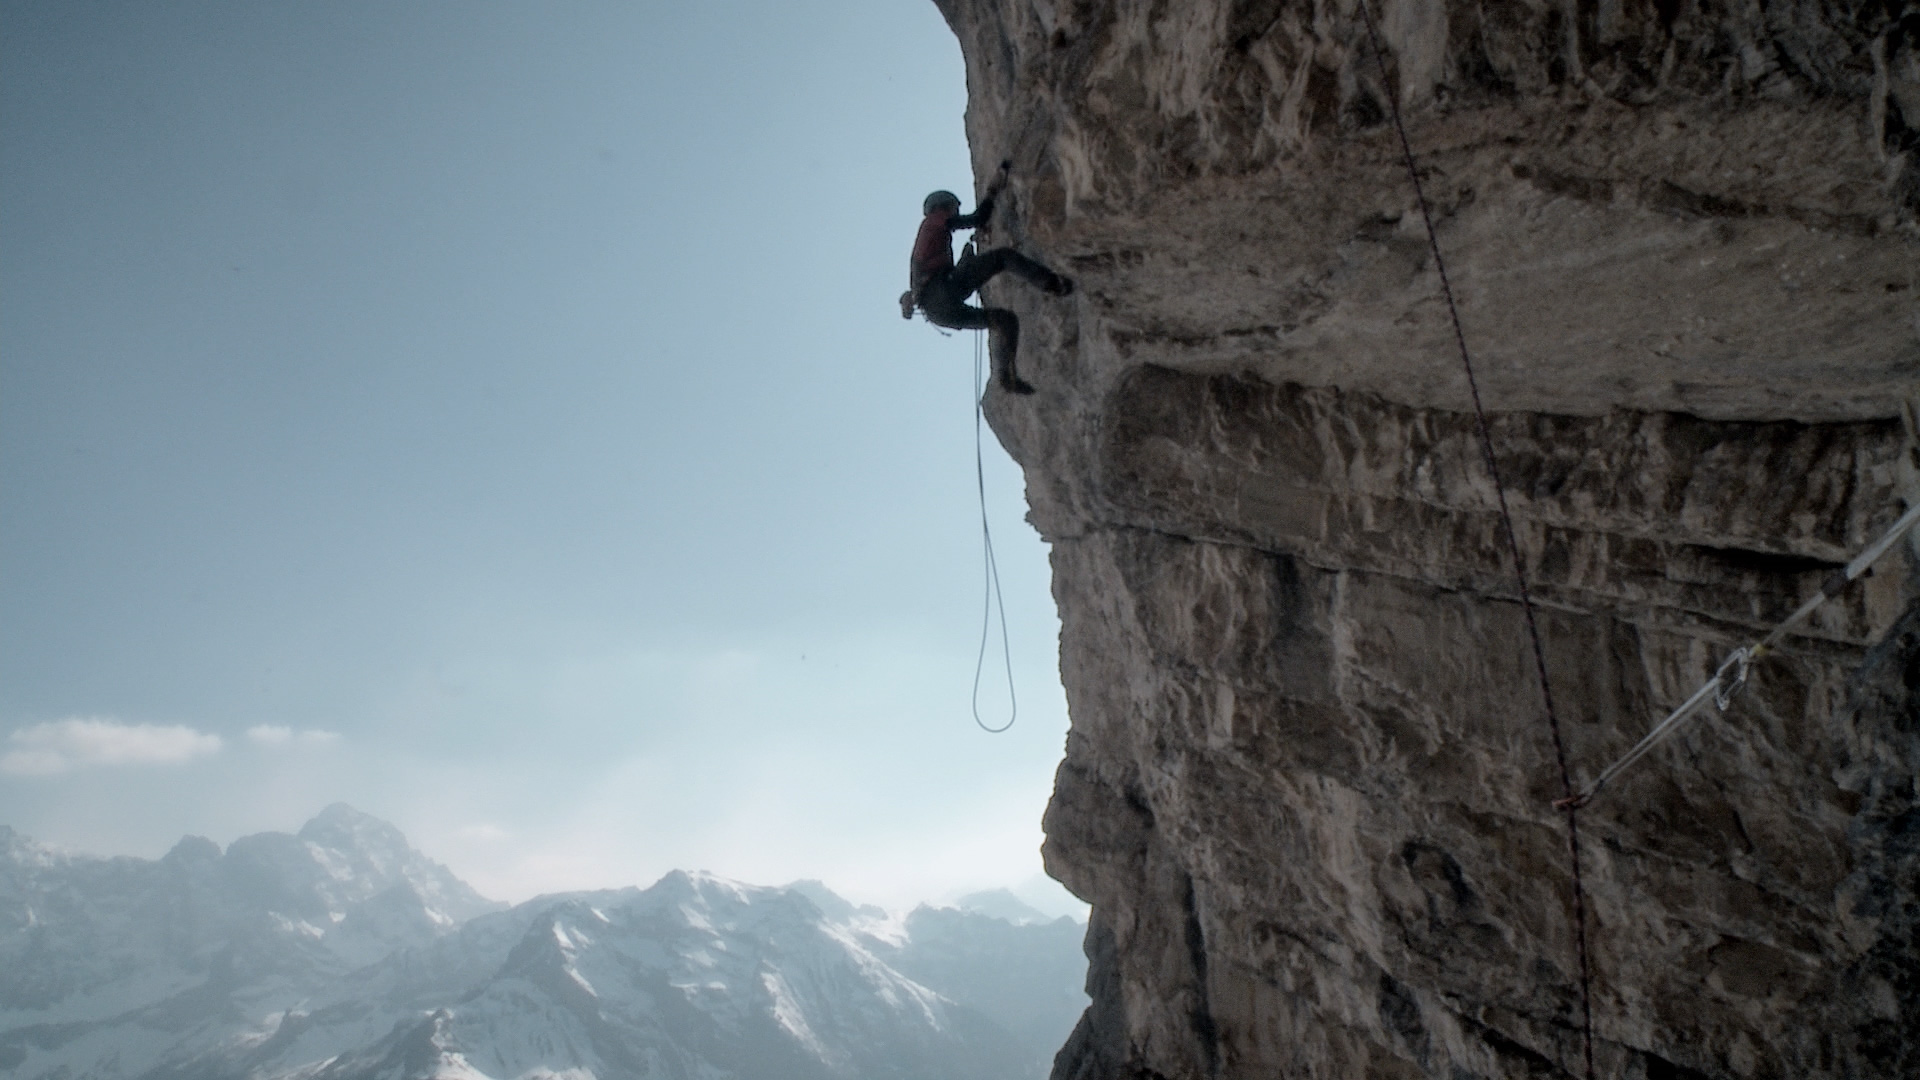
944	299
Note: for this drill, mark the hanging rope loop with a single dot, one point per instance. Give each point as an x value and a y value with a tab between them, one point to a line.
991	597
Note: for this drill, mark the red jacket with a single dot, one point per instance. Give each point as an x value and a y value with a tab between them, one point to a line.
933	244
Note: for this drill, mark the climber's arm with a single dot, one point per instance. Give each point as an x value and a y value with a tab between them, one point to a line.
983	213
980	216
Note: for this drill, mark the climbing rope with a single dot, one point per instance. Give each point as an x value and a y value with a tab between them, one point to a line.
1571	808
1727	682
991	598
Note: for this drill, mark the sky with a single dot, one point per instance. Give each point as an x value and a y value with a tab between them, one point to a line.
497	416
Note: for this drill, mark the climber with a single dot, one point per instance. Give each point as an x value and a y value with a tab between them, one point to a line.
941	287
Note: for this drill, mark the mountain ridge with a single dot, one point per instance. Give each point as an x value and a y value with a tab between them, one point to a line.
341	952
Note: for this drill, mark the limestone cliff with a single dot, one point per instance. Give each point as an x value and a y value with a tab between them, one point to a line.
1308	786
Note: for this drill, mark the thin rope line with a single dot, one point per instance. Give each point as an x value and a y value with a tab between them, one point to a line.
992	597
1731	676
1513	545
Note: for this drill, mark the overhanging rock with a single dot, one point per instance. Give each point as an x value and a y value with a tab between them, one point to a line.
1308	786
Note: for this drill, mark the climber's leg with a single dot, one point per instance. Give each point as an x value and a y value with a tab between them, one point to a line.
976	270
945	305
1003	344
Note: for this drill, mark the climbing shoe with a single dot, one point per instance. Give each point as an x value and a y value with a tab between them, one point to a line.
1060	286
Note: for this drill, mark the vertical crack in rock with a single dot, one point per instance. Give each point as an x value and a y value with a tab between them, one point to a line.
1305	788
1205	1033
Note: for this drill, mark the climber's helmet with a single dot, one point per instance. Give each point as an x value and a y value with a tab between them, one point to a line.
939	199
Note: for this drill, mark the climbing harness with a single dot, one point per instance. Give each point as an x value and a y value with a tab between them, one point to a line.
991	597
1513	547
1727	682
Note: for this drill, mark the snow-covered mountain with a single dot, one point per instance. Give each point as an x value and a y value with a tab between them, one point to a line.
343	954
83	938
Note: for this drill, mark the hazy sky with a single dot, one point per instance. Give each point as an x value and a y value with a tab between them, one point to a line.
497	416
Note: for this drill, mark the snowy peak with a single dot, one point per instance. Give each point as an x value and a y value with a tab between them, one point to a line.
274	916
17	851
832	904
1002	904
192	851
699	975
337	954
366	857
376	844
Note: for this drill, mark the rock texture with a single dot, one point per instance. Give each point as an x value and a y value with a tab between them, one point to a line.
1308	784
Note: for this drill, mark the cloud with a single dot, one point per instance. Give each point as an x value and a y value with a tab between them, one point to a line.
276	735
85	742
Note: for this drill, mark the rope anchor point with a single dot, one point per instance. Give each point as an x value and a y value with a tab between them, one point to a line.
1731	677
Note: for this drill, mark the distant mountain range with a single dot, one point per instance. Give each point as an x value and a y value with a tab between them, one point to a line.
341	953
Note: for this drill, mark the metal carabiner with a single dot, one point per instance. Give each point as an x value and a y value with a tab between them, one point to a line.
1725	688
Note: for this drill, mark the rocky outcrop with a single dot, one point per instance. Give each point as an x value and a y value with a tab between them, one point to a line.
1308	784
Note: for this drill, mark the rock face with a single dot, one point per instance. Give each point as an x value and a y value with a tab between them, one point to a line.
1308	785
